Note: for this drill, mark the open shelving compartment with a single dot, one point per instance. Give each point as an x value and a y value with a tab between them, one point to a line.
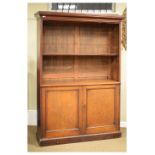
84	52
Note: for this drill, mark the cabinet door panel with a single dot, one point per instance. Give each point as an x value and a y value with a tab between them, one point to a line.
62	111
102	108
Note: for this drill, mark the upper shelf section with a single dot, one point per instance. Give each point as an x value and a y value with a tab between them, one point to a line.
76	17
80	39
74	34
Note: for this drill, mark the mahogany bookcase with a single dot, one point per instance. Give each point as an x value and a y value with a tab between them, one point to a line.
78	77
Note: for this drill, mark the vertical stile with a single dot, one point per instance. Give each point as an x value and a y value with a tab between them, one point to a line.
76	52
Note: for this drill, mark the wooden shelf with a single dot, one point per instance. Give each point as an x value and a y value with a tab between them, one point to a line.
95	54
74	82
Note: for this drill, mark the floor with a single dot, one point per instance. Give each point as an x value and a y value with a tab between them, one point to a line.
110	145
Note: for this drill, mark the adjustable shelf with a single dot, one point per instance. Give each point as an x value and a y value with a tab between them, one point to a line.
95	54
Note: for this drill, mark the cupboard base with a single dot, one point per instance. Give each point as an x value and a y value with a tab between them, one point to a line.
73	139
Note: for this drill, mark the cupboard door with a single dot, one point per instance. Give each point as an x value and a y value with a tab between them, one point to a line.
102	109
61	115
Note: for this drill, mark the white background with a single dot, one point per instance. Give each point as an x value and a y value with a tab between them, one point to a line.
140	77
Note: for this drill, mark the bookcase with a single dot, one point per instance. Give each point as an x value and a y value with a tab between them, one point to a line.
78	77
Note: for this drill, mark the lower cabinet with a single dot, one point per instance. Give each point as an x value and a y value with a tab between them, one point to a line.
78	112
